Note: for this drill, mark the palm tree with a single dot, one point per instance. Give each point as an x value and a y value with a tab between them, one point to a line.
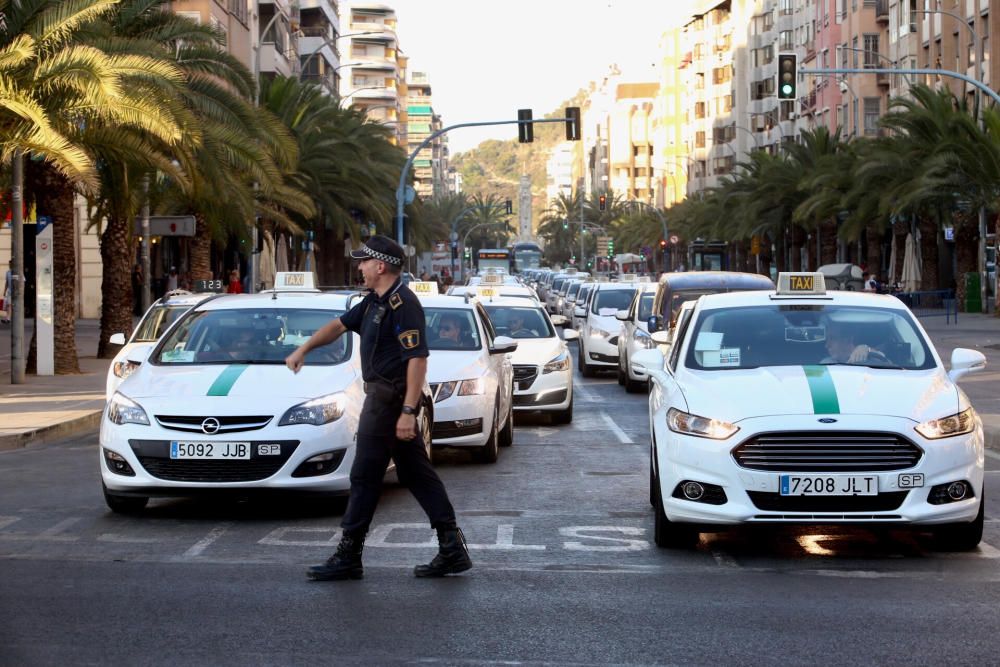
490	211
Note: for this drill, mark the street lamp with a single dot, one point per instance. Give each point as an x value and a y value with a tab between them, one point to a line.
767	114
845	87
752	135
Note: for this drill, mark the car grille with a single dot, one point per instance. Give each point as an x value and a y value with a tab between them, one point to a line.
154	456
524	376
548	398
774	502
827	452
451	429
233	424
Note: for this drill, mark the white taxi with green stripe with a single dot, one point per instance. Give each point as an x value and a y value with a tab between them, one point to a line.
802	405
212	406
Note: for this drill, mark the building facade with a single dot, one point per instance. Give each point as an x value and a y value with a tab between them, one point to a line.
319	48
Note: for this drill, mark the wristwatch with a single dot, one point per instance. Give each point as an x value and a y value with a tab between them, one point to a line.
407	410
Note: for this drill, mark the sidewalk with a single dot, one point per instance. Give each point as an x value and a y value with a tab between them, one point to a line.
44	409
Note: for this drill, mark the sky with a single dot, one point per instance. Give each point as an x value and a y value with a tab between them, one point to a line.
488	58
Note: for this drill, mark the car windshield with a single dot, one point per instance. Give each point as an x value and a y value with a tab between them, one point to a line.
645	306
608	302
573	289
157	320
796	335
250	336
518	322
451	329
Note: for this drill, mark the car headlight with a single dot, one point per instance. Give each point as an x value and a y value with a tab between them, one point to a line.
559	363
947	427
702	427
600	333
472	387
123	410
122	369
317	412
640	337
559	303
445	390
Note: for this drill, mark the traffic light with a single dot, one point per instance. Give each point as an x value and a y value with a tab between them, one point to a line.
787	75
603	201
525	130
565	225
663	244
611	247
510	206
572	123
468	253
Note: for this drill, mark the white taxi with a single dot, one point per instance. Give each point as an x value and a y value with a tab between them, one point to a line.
153	324
635	336
805	406
598	344
213	407
543	367
471	377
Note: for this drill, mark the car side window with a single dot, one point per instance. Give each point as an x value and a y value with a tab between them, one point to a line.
486	324
682	327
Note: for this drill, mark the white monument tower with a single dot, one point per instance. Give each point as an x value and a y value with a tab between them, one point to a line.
524	209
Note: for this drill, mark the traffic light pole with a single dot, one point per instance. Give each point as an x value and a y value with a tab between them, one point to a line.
401	190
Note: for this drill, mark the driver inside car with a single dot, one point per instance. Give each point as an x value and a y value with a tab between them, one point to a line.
842	348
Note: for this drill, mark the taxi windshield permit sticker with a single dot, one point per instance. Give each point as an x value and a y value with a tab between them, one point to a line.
409	339
177	356
722	358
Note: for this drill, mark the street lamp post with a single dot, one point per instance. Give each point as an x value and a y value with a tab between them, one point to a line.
752	135
453	237
894	63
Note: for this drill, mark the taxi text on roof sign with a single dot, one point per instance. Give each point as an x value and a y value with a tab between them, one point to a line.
294	280
492	279
801	283
487	291
423	287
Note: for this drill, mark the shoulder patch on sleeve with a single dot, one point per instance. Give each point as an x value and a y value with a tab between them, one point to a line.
395	301
409	339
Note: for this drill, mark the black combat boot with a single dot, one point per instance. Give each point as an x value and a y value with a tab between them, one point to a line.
452	556
345	563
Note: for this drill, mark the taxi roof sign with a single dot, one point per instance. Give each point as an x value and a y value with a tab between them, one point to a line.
492	279
801	283
294	280
423	287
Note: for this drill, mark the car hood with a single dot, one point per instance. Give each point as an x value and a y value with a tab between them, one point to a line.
268	381
802	390
447	365
536	351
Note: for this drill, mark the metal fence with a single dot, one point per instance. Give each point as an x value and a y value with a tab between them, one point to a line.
932	303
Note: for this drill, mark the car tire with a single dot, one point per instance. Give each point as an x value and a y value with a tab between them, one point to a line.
666	533
507	433
564	416
586	370
961	536
622	378
489	452
124	504
636	386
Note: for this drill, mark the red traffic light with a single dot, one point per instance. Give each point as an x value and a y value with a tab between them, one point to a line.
603	201
663	243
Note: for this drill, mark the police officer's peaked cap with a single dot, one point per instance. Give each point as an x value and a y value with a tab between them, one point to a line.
381	248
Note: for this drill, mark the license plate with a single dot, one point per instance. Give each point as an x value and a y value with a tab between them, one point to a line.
829	485
209	450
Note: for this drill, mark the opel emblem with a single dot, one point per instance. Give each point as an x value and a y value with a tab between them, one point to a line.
210	425
824	420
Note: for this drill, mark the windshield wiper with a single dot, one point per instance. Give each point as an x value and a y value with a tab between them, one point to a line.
847	363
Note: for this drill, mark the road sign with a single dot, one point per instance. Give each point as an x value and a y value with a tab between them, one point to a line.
674	239
167	225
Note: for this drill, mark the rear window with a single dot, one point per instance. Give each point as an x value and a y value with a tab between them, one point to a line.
608	302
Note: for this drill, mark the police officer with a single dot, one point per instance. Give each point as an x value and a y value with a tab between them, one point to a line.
394	354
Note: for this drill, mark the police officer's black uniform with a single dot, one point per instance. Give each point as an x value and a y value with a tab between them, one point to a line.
392	330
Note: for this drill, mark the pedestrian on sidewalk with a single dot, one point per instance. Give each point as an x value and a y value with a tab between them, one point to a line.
394	355
5	304
137	282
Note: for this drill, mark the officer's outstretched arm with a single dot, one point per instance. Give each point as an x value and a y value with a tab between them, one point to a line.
324	336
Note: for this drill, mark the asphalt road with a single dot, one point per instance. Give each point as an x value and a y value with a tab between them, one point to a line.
565	572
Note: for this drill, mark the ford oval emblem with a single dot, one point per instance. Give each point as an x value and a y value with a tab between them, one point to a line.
827	420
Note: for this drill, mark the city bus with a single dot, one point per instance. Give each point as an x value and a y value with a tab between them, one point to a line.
525	255
493	258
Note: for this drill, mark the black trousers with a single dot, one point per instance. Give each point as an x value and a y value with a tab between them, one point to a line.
376	444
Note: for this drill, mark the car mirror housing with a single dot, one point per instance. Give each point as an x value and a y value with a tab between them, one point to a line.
571	334
503	345
579	312
965	361
117	339
139	353
654	323
622	315
660	337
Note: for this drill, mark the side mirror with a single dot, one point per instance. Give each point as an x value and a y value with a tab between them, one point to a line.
503	345
138	354
570	334
117	339
965	361
654	323
622	315
660	337
579	312
559	320
651	363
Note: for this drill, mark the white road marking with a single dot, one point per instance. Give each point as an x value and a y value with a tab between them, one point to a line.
206	541
7	520
988	550
618	543
993	455
619	433
584	393
276	537
505	541
125	539
53	533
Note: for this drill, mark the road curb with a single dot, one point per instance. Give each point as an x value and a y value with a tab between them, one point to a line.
68	428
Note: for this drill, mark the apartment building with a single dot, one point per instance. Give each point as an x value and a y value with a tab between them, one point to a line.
233	17
431	163
374	76
562	171
670	168
277	34
630	141
319	49
948	35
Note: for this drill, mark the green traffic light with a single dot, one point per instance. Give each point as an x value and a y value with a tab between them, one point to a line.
787	89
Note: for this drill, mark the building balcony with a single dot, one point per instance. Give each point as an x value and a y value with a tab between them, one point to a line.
882	11
387	32
310	45
883	79
273	59
808	103
372	93
327	81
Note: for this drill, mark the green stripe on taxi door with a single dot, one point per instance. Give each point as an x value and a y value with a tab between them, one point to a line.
822	389
226	380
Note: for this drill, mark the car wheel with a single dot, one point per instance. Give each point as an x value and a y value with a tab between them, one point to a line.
622	378
635	386
507	434
564	416
961	536
666	533
652	484
586	370
489	452
124	504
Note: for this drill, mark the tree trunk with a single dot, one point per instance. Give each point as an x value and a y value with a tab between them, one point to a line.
929	253
798	237
873	253
116	286
53	196
966	256
828	243
201	250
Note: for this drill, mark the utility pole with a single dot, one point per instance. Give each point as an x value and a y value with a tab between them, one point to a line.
17	272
